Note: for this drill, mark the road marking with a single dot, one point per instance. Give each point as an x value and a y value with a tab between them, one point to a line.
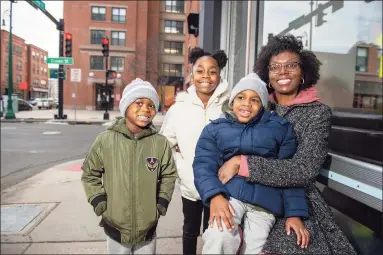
8	128
56	123
51	132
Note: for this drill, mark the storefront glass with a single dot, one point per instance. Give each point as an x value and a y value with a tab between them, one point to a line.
346	36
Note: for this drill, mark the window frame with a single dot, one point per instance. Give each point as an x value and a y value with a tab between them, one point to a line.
365	58
118	15
171	27
92	39
118	39
174	43
114	60
175	6
96	66
98	16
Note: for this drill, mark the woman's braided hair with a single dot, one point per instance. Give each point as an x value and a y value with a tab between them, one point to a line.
219	55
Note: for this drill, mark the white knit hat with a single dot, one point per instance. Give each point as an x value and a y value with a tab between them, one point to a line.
138	89
251	82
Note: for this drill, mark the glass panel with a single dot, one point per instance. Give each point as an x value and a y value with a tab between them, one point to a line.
102	10
334	33
95	10
114	34
123	12
115	11
122	35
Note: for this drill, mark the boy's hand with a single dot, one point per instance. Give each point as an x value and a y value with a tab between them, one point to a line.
303	235
221	210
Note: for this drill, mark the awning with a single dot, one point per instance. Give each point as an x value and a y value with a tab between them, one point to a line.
40	90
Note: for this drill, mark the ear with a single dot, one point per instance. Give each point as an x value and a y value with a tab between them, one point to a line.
231	105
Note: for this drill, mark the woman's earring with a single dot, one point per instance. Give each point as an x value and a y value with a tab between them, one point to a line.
270	85
303	81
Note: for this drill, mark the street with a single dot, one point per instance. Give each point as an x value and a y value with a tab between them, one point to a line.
27	149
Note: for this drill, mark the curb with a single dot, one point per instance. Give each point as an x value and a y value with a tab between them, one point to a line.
69	122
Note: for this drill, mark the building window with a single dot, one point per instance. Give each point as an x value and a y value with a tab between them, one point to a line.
98	13
174	27
18	79
97	63
175	48
173	70
175	6
119	15
361	59
34	68
117	64
118	38
96	36
19	65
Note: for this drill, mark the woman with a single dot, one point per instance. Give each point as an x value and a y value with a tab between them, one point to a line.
291	72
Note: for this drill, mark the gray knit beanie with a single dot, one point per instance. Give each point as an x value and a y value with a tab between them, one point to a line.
138	89
251	82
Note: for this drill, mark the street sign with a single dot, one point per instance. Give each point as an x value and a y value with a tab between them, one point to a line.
75	75
54	73
40	4
60	61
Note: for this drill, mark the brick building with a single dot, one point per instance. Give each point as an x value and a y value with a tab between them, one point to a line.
29	68
37	72
148	39
19	62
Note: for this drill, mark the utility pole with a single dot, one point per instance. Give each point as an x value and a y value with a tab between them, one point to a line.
60	27
39	4
10	114
311	24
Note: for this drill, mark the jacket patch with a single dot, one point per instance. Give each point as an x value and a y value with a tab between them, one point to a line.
151	163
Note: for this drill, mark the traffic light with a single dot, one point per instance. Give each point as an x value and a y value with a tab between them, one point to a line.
105	46
68	45
320	21
110	74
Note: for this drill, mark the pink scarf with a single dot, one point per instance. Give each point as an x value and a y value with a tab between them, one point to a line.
304	97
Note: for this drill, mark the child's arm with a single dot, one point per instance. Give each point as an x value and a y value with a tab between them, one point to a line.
167	179
93	168
168	128
205	166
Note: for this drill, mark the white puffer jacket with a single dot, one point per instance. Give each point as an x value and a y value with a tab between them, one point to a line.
183	125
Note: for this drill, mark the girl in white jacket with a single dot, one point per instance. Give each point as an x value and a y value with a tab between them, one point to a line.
182	126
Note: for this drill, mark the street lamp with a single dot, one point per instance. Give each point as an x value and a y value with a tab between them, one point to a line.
10	114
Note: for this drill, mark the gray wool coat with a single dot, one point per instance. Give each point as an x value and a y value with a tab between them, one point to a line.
312	124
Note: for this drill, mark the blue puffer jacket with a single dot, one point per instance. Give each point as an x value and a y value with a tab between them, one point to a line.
266	135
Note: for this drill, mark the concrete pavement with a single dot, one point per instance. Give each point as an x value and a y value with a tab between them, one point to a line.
65	222
73	116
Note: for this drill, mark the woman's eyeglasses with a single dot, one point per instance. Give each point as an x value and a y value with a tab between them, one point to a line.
289	67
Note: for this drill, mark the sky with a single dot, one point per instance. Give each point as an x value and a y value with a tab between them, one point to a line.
33	26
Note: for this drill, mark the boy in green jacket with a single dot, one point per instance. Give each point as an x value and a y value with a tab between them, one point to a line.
129	174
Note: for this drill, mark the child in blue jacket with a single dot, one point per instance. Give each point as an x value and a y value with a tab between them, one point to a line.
246	129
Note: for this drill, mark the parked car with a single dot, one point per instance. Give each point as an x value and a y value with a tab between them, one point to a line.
48	103
32	101
39	103
24	105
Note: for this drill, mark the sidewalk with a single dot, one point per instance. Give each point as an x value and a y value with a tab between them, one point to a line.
73	117
48	214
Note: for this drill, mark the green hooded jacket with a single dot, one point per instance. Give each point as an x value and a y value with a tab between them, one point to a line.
129	180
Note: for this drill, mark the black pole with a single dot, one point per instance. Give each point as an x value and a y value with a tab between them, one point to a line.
106	114
61	71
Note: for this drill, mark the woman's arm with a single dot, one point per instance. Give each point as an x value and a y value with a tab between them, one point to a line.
304	167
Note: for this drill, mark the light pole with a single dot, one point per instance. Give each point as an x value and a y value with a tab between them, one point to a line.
10	114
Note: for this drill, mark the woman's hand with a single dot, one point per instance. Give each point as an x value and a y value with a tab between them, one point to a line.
303	235
221	210
229	169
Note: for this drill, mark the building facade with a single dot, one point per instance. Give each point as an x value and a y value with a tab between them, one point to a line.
37	72
30	71
148	39
19	62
